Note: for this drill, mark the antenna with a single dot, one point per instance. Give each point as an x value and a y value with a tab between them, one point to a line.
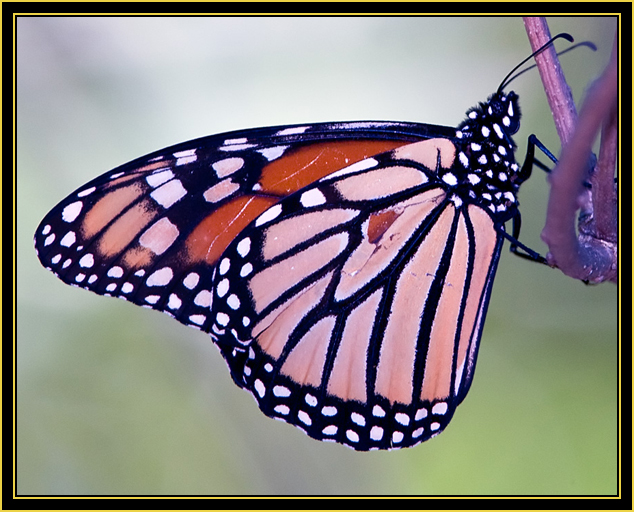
508	80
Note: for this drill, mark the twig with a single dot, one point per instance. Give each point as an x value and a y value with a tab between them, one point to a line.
557	90
591	256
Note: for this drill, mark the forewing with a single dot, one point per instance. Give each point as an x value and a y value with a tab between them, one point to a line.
152	231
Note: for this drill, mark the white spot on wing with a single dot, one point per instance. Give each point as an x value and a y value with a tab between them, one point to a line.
450	179
402	418
222	288
282	409
259	387
158	178
68	240
169	193
244	246
376	433
86	192
329	410
159	236
272	153
378	411
269	215
115	272
281	391
330	430
352	436
191	280
187	152
227	166
185	160
358	419
222	319
292	131
439	408
160	277
220	191
233	301
185	157
174	302
312	197
87	261
310	400
70	212
224	266
420	414
236	144
203	299
229	142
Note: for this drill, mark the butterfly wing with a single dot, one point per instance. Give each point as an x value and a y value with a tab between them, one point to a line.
353	308
153	230
342	274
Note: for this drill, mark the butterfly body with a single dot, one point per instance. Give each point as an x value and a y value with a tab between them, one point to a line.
343	269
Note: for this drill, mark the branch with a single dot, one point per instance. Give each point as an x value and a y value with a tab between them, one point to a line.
557	90
591	256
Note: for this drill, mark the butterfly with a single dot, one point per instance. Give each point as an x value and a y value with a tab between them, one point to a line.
343	269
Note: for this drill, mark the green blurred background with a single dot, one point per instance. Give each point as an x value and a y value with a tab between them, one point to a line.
114	399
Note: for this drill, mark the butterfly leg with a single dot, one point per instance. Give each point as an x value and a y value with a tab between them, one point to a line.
517	247
530	160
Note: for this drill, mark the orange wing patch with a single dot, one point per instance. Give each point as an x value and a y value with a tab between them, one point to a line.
215	232
307	164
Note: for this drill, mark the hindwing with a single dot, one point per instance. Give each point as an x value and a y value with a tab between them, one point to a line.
354	307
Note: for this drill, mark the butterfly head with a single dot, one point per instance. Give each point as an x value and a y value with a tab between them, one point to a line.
500	114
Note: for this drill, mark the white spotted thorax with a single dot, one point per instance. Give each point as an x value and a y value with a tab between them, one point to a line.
487	166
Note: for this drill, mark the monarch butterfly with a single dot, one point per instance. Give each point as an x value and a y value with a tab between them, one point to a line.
343	269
